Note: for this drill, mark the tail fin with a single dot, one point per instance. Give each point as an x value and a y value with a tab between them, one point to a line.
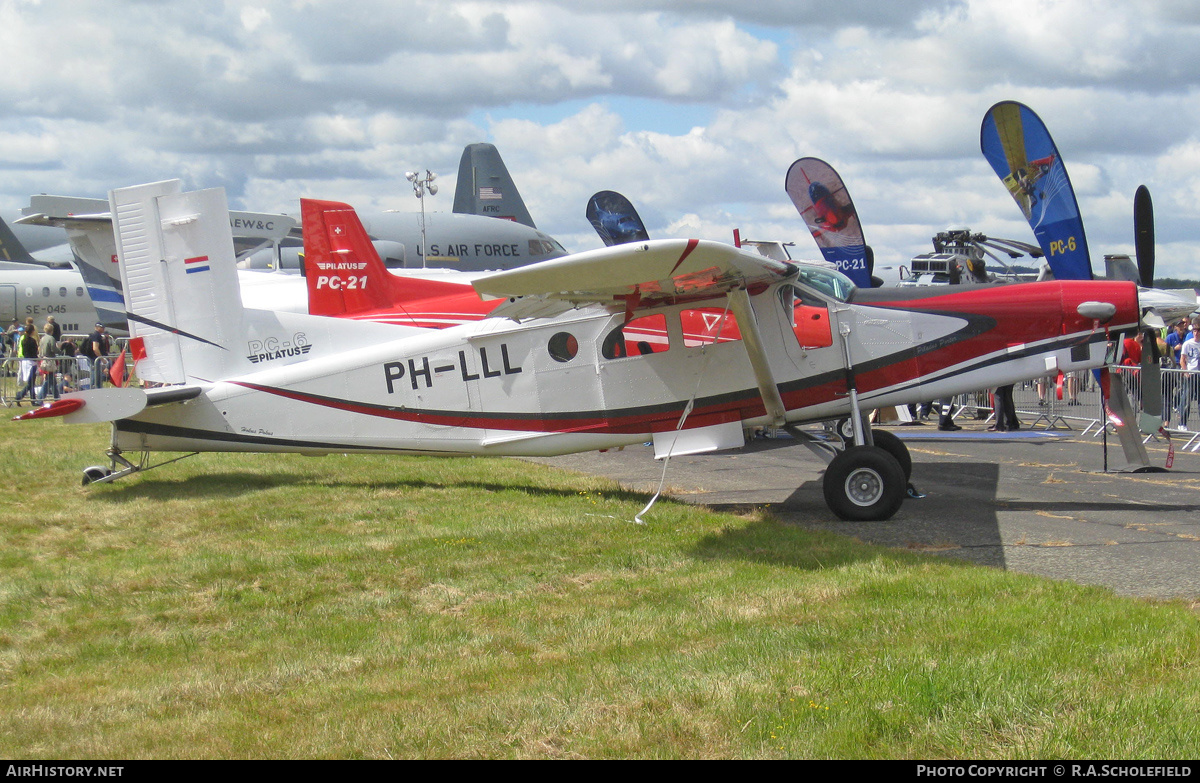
89	231
169	242
1121	267
485	187
11	248
344	272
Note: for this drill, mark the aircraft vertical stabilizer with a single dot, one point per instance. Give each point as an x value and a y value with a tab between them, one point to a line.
11	248
485	187
179	273
344	272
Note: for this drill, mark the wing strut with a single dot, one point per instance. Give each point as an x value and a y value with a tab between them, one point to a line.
739	302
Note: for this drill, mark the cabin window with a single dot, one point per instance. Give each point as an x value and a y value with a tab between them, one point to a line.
62	291
639	337
46	291
563	347
79	291
704	326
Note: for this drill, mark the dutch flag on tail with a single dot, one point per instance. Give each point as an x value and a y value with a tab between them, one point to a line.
196	264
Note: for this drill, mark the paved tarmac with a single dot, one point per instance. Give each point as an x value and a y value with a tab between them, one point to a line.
1037	503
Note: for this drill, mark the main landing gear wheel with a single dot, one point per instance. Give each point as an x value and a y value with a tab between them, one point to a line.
864	484
95	473
894	446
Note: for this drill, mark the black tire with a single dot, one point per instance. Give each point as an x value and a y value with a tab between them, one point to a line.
894	446
864	484
845	429
95	473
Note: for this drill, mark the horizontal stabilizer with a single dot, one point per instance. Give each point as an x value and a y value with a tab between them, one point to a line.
91	406
68	211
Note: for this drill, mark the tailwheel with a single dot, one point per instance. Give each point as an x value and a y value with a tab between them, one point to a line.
95	473
864	484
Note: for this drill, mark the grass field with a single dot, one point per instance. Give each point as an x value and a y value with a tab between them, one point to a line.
377	607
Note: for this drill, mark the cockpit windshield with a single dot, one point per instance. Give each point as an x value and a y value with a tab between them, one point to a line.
827	281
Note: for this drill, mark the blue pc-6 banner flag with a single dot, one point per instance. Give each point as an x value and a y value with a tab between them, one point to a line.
1015	141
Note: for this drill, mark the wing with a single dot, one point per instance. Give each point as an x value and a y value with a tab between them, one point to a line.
632	275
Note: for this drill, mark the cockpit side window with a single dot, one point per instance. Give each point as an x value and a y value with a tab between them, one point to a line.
639	337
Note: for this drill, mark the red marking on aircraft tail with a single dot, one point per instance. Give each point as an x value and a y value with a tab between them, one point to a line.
51	410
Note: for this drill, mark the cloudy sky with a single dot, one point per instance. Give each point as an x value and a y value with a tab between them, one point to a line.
692	108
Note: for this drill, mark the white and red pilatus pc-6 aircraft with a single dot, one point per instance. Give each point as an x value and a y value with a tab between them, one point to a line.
591	351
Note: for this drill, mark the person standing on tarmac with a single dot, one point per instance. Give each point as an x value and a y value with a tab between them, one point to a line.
97	343
47	354
27	350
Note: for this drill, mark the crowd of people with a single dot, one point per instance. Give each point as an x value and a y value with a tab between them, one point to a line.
49	365
1180	350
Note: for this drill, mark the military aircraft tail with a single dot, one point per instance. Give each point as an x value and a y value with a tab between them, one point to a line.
345	274
179	274
486	188
11	248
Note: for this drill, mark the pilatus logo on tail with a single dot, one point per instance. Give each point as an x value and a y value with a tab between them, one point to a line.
272	348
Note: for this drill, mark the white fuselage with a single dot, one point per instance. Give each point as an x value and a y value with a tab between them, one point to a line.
497	387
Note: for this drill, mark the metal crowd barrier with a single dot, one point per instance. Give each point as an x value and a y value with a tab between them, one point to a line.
1180	401
1081	406
1038	404
70	373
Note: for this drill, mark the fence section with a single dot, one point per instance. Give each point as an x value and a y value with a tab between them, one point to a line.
24	380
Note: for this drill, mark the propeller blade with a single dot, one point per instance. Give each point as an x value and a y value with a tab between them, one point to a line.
1143	234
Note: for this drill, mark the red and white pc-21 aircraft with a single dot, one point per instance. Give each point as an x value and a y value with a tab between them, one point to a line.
560	366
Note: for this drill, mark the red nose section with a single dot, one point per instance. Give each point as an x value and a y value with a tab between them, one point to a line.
1121	294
